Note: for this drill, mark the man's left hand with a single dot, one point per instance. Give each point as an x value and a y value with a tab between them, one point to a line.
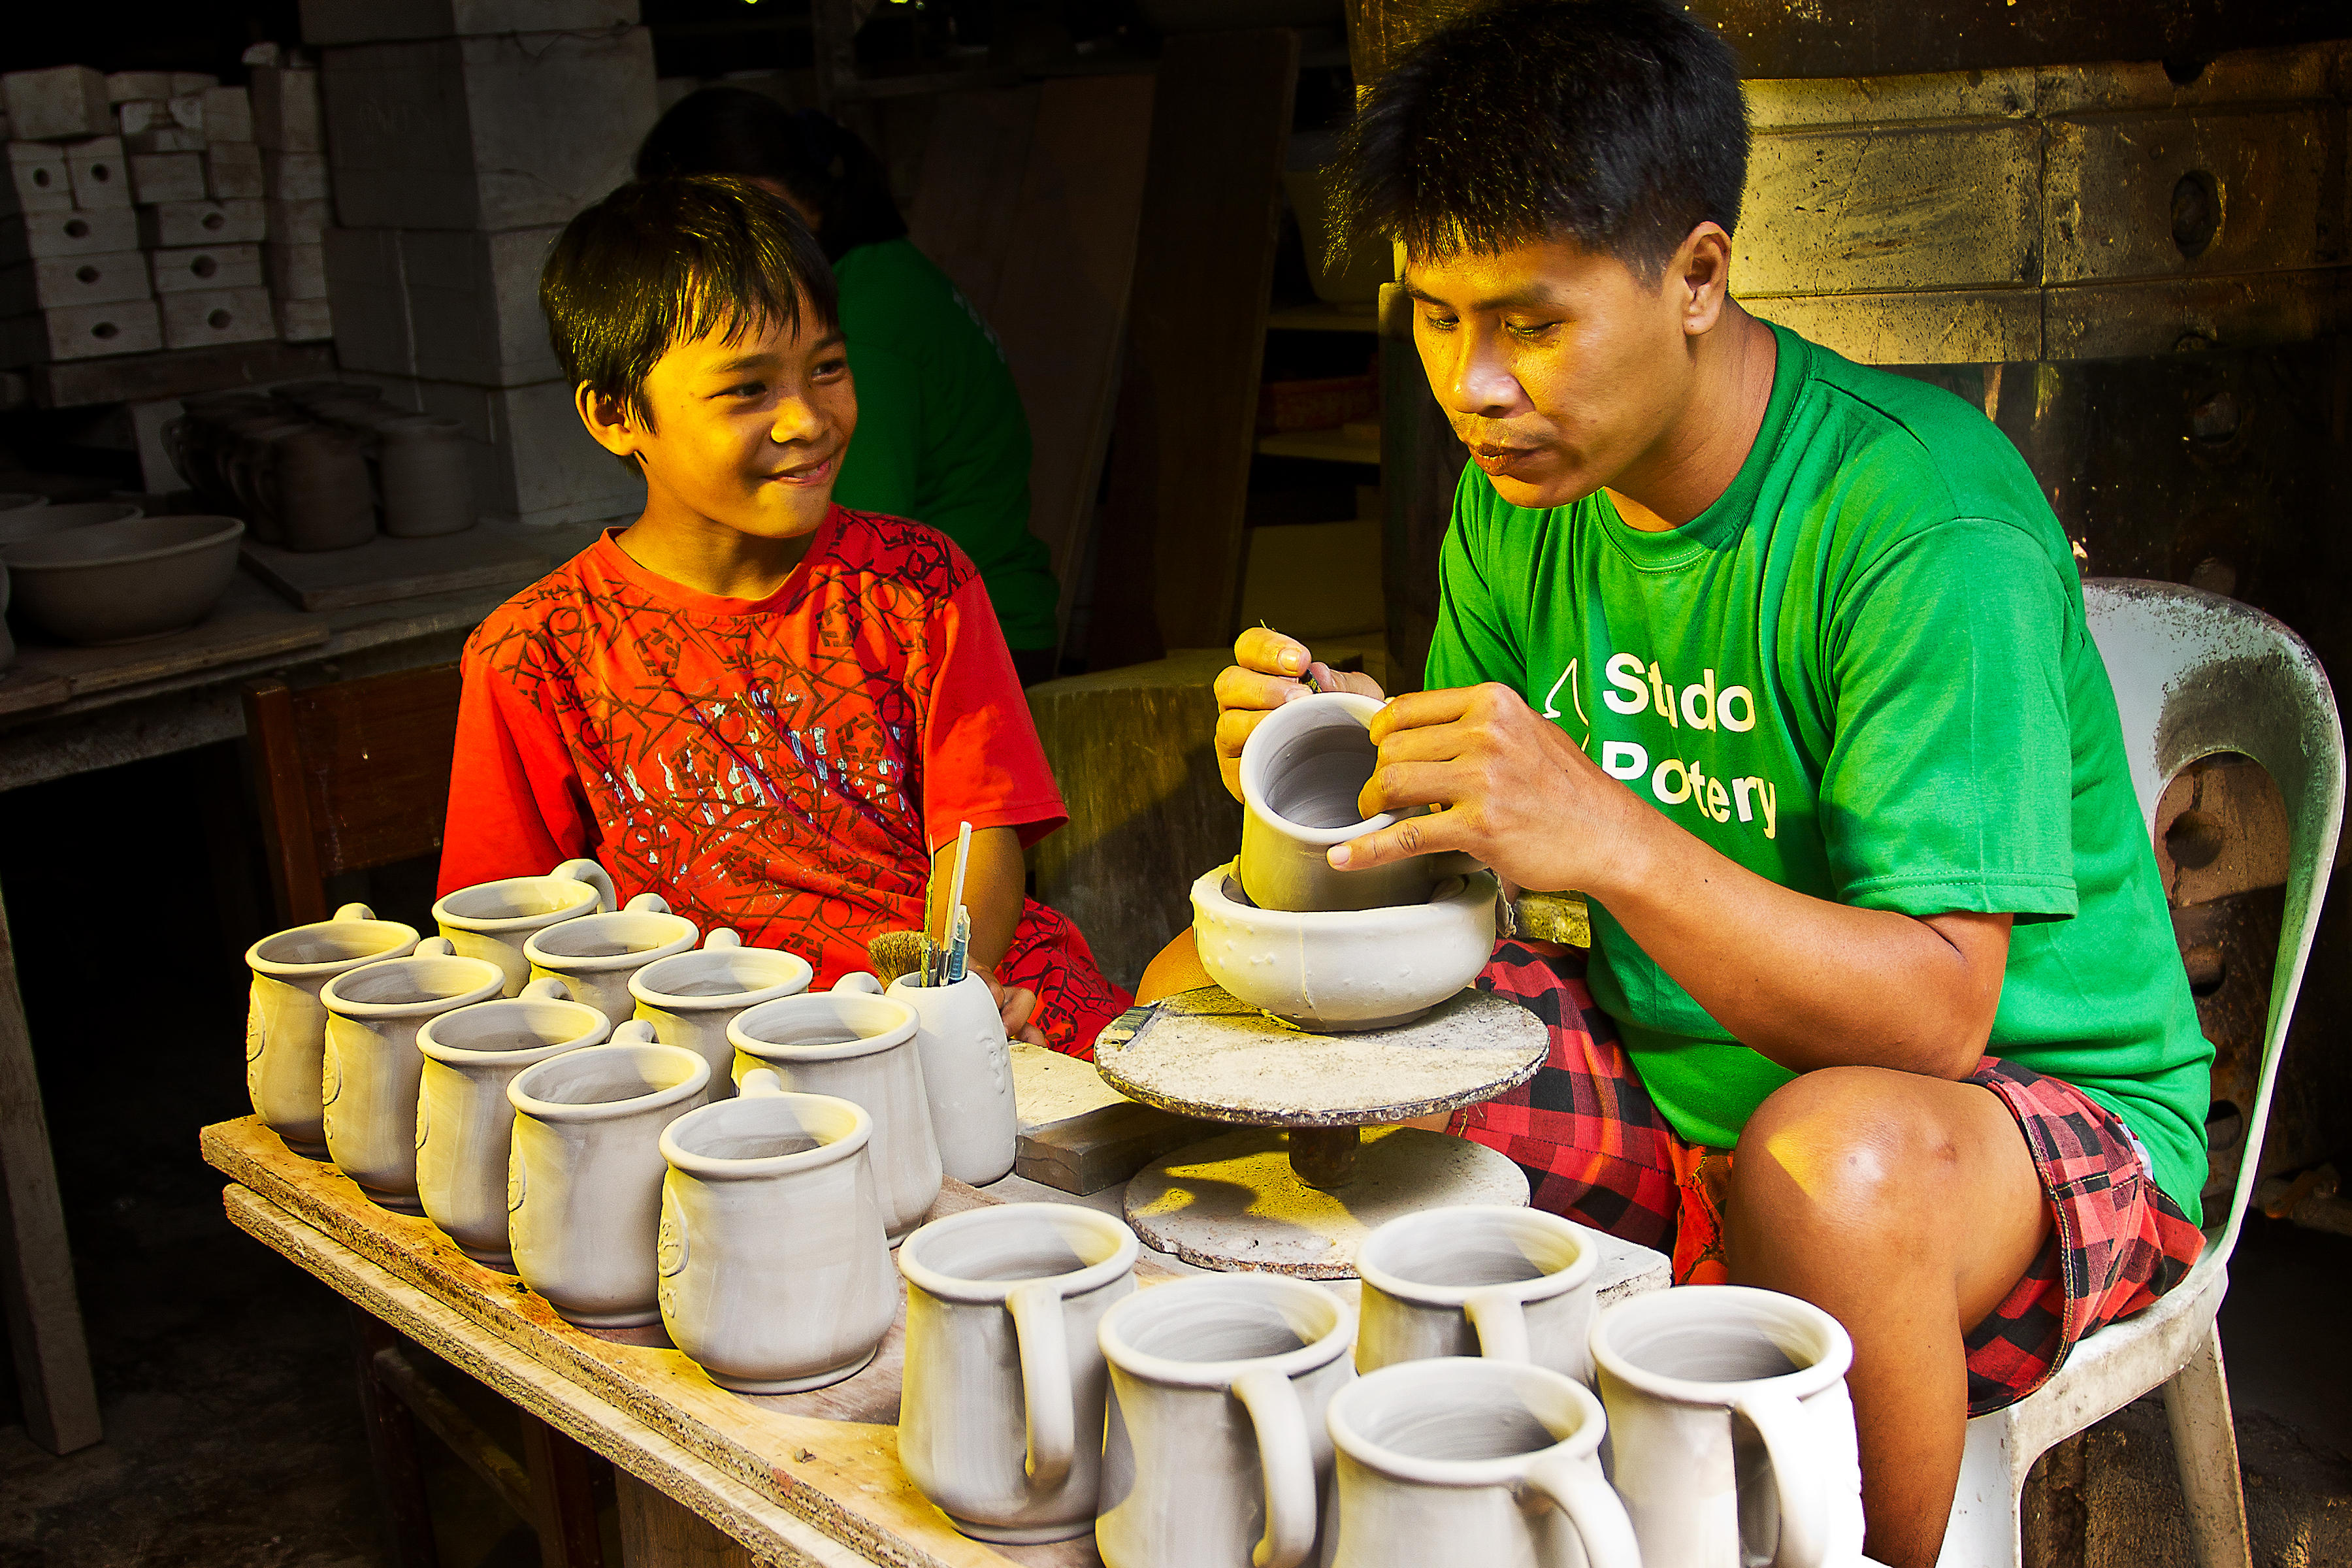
1014	1003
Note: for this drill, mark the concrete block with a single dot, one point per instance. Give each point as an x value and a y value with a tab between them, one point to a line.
286	109
305	320
121	87
295	271
58	281
157	177
233	172
96	168
364	283
204	316
533	460
175	223
202	267
69	233
82	331
61	104
377	21
163	137
228	114
473	305
294	176
193	81
485	132
39	180
299	222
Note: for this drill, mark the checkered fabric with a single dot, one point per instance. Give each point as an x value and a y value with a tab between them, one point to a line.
1596	1150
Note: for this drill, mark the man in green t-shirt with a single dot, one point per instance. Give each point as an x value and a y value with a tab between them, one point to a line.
1782	662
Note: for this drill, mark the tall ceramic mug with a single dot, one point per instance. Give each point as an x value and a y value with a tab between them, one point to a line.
1000	1418
1511	1284
597	955
493	919
584	1175
1783	1484
689	998
1301	770
1487	1462
861	1046
1215	1452
286	1023
371	1067
967	1075
465	1124
775	1276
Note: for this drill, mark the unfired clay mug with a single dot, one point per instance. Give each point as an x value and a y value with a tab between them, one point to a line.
1215	1452
286	1023
1001	1416
1511	1284
1783	1484
584	1175
465	1123
493	919
1484	1462
967	1076
775	1276
1301	770
597	955
371	1067
689	998
853	1043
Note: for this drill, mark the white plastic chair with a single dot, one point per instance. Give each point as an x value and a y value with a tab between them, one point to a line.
2194	674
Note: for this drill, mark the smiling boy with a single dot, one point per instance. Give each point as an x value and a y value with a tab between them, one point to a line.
772	711
1783	661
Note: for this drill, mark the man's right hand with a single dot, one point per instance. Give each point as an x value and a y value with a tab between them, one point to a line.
1268	670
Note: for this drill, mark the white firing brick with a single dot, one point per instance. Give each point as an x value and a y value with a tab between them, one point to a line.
364	281
60	104
305	320
175	224
188	111
204	316
82	331
228	114
199	267
485	132
69	233
295	271
142	114
376	21
167	177
299	222
99	178
164	138
533	460
294	176
286	109
62	281
233	172
121	87
472	301
193	81
39	180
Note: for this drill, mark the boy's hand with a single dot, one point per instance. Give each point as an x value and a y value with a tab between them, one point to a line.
1014	1005
1268	670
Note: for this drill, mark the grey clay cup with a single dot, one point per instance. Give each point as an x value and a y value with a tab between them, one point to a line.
121	582
1301	773
286	1022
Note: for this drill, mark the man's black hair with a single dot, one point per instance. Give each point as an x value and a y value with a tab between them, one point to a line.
734	130
664	261
1617	124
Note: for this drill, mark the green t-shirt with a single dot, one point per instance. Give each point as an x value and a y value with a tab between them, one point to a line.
941	437
1863	673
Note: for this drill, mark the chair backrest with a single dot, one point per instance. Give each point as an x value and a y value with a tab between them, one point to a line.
2196	674
349	775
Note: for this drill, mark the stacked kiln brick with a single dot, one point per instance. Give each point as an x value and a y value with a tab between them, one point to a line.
463	134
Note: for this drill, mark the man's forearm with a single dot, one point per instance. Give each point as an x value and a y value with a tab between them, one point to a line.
994	883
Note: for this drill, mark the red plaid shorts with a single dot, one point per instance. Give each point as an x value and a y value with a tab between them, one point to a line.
1596	1150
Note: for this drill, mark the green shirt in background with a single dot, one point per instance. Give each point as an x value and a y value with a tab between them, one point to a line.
941	437
1863	673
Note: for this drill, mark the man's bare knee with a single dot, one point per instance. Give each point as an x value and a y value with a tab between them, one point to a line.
1840	1156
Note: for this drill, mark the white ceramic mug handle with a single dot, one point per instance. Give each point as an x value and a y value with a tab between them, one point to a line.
636	1032
1038	1330
546	988
1288	1465
858	980
725	936
435	947
761	1080
1501	1322
595	876
1798	1479
355	912
1592	1506
648	904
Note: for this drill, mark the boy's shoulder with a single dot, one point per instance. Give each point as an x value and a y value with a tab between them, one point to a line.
868	545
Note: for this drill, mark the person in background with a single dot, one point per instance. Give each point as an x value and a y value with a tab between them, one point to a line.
941	436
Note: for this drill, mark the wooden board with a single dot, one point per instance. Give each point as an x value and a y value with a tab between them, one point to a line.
176	372
21	691
233	632
384	569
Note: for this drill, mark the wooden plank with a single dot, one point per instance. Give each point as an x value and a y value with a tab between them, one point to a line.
176	373
240	628
384	569
963	213
22	690
658	1534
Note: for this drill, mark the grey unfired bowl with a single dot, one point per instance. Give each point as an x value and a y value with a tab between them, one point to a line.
118	582
20	500
36	521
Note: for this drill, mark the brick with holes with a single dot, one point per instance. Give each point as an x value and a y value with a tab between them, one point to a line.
233	171
69	233
158	177
202	223
38	180
204	317
198	267
82	331
61	281
95	169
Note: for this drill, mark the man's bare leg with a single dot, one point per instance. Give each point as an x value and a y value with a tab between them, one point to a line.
1176	967
1906	1207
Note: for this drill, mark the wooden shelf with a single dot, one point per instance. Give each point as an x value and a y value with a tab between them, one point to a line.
1335	446
1320	317
174	372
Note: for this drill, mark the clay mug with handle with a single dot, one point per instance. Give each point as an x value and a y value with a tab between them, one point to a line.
1733	1435
690	998
1301	770
597	955
1477	1279
967	1075
286	1023
1000	1417
465	1124
1215	1452
371	1069
1490	1462
493	919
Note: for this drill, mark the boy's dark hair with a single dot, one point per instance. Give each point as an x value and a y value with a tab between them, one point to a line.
667	260
733	130
1617	124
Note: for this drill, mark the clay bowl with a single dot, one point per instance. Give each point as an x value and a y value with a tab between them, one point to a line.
20	500
119	582
33	521
1340	971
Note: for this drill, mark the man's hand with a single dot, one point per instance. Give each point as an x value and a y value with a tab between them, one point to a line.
1014	1003
1268	670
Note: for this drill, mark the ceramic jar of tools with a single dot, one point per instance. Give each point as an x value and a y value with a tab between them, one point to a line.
371	1069
1484	1462
690	998
1783	1483
857	1044
584	1175
1301	770
1215	1451
597	955
465	1123
286	1023
775	1275
967	1075
493	919
1510	1284
1001	1418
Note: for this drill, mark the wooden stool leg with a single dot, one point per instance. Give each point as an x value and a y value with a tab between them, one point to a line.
392	1444
657	1532
563	1496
